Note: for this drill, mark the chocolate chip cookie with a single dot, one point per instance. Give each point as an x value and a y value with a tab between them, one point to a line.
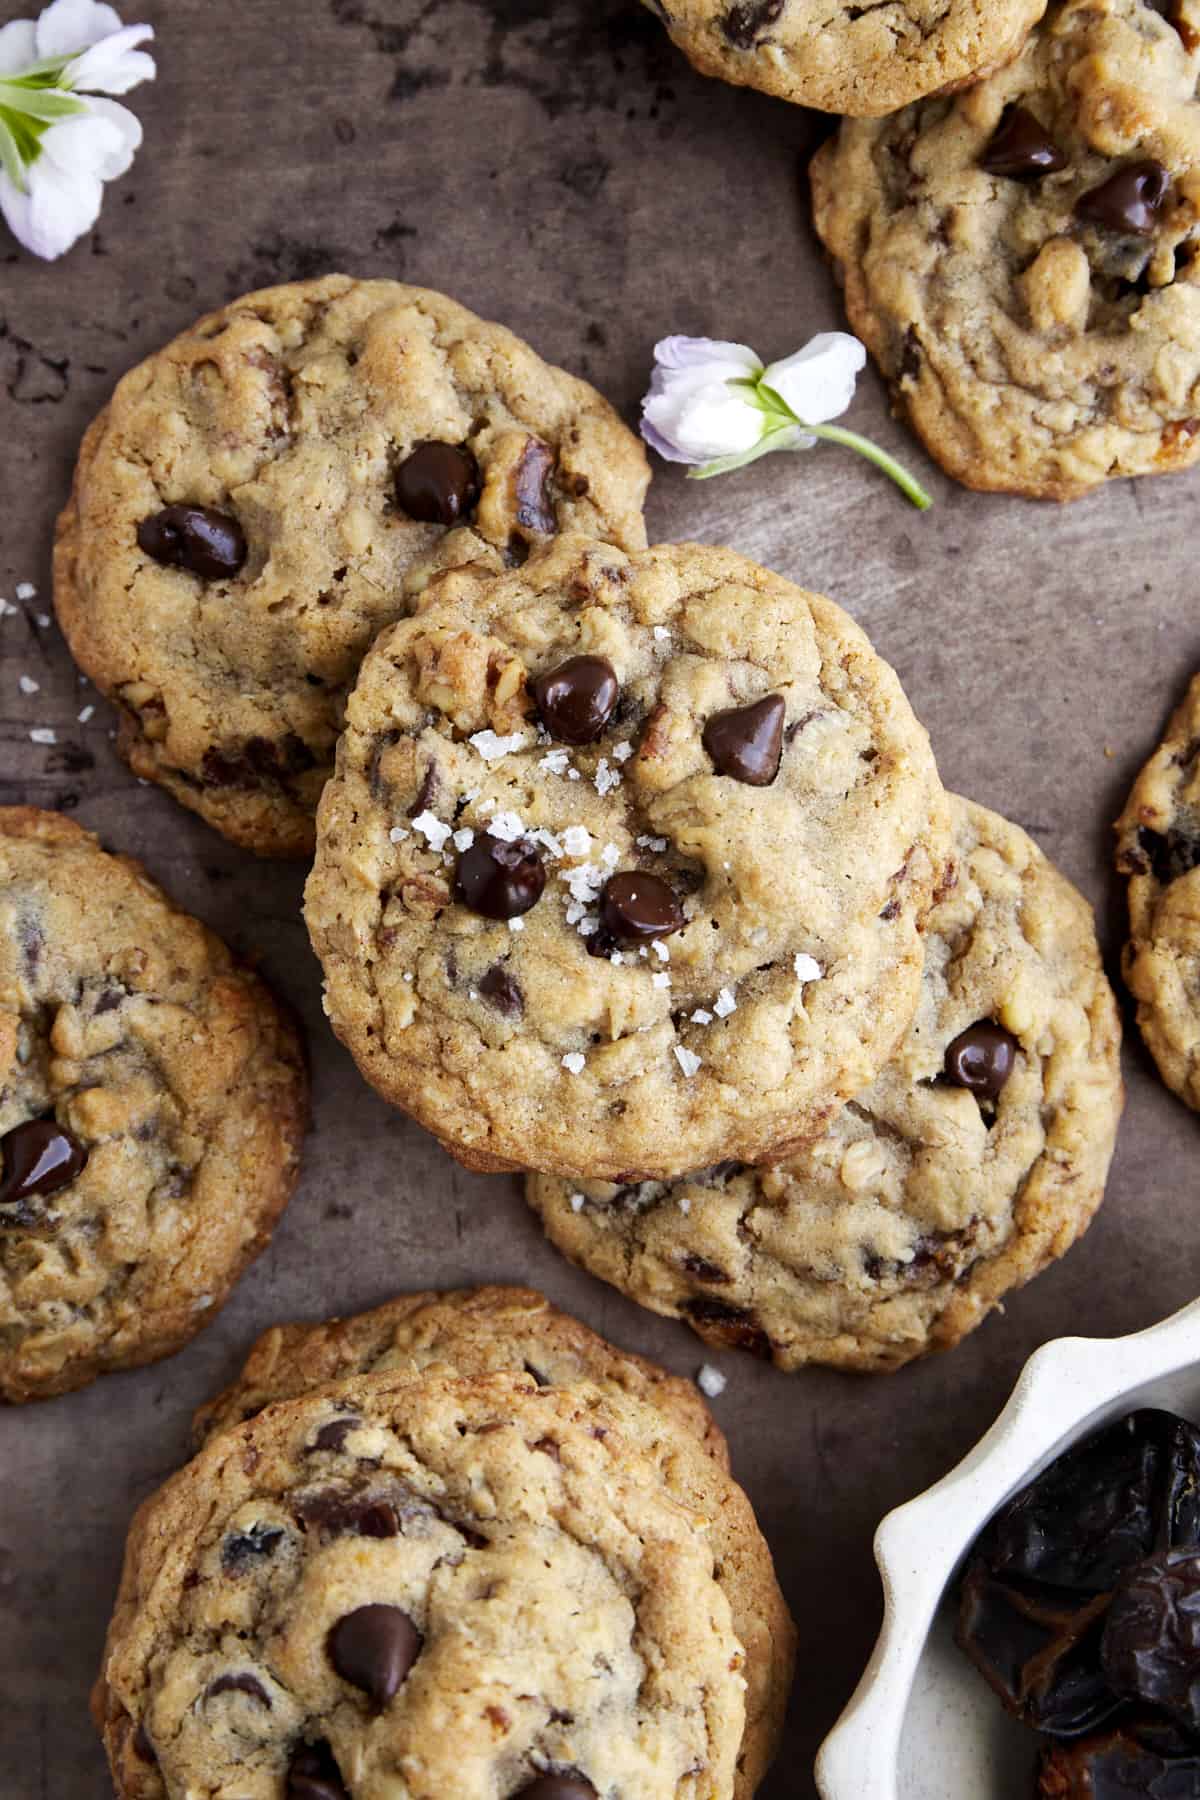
153	1099
470	1332
1022	261
444	1587
846	57
1158	847
977	1156
265	493
624	862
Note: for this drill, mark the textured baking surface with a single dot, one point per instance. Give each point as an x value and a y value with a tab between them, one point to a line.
520	162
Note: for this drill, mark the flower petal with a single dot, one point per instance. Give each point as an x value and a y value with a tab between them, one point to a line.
115	154
690	352
57	210
114	65
18	46
817	383
702	421
16	208
69	26
81	149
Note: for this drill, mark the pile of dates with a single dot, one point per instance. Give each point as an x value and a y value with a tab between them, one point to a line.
1081	1606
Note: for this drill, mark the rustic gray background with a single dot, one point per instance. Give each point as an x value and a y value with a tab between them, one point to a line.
560	168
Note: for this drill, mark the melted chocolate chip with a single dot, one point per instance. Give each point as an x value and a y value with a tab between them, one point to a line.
1021	148
243	1548
333	1436
239	1684
39	1157
499	880
744	24
256	760
1129	201
314	1775
635	908
198	538
338	1513
373	1648
702	1269
569	1786
981	1059
1170	853
498	986
732	1325
577	699
746	742
438	483
535	510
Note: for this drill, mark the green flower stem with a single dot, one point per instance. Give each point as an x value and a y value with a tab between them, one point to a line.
908	484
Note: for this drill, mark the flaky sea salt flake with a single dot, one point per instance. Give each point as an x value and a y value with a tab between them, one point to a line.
573	1062
710	1381
687	1059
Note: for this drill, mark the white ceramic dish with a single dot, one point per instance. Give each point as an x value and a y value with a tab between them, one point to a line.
922	1725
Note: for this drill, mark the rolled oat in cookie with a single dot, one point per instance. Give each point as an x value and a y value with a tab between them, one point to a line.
975	1158
280	481
440	1586
1158	847
153	1099
846	57
1023	260
569	914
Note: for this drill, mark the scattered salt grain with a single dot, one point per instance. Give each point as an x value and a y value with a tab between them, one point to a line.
43	734
27	684
651	843
396	833
507	826
572	774
807	967
660	979
86	714
577	840
606	778
516	924
610	856
724	1004
688	1061
685	1206
7	609
573	1063
576	1202
701	1017
616	958
622	751
557	761
492	747
26	590
43	619
432	830
464	839
661	633
710	1381
660	950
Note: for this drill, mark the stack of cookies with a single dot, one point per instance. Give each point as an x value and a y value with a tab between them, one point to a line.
456	1546
1013	208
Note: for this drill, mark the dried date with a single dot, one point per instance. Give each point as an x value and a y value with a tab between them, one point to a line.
1151	1644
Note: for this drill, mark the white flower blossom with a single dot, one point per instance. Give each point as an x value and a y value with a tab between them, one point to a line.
716	406
60	140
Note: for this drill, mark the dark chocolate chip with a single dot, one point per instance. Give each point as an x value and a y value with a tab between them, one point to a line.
635	908
732	1325
338	1513
1021	148
499	880
39	1157
239	1684
577	699
498	986
197	538
746	742
1129	201
703	1270
981	1059
1170	853
256	760
572	1786
911	355
314	1775
333	1436
373	1648
243	1548
438	483
535	510
744	24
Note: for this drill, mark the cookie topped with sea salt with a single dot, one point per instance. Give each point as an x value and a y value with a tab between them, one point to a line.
624	862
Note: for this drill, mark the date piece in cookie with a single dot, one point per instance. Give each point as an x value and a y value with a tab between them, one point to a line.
842	56
266	492
1158	847
1022	260
153	1099
977	1156
691	930
443	1586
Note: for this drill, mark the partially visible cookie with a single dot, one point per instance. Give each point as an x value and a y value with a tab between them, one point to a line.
1023	261
978	1156
470	1332
1158	847
624	863
276	484
414	1588
844	57
153	1099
